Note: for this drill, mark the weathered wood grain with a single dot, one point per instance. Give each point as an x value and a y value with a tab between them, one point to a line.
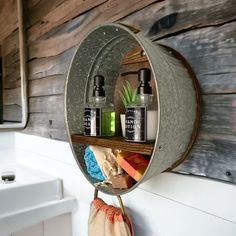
50	85
51	120
62	13
12	96
12	82
69	34
153	21
8	18
28	4
11	58
47	104
39	9
10	43
46	132
213	156
12	76
219	114
212	73
47	117
47	125
211	53
56	65
12	113
11	63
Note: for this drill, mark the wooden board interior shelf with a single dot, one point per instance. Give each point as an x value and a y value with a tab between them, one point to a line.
115	142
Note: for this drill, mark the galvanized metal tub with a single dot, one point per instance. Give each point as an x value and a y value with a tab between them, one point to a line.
100	52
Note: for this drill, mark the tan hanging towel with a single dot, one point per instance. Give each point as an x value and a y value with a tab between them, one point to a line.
107	220
106	161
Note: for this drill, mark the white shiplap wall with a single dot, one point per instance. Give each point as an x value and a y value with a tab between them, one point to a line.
166	205
57	226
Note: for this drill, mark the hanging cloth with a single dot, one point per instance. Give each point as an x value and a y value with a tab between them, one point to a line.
107	220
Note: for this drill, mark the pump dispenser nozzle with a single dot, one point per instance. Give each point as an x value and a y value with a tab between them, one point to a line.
99	116
98	90
140	113
144	77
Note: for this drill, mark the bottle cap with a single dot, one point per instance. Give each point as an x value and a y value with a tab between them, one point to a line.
98	90
98	80
144	77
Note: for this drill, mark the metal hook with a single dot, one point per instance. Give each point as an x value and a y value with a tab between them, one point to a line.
119	199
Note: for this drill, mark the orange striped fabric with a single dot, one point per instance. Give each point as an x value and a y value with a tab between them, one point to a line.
113	214
107	220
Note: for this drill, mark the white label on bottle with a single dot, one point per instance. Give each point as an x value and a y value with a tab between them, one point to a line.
92	121
136	124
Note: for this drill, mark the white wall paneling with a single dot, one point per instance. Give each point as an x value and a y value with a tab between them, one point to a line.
7	148
182	201
166	205
58	226
35	230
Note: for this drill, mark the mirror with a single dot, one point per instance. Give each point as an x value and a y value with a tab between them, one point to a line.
13	91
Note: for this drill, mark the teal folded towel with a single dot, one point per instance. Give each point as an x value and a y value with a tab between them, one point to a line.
92	165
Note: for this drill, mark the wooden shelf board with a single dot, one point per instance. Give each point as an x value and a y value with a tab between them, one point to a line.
115	142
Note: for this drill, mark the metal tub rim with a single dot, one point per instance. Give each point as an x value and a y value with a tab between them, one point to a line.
141	42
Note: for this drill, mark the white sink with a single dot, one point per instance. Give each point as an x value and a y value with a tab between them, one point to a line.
33	197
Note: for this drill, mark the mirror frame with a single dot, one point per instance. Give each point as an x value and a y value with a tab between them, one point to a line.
22	53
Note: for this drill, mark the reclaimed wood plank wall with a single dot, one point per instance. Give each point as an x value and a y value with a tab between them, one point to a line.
12	103
204	32
9	40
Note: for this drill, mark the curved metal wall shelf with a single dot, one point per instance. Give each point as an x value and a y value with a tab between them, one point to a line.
100	52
